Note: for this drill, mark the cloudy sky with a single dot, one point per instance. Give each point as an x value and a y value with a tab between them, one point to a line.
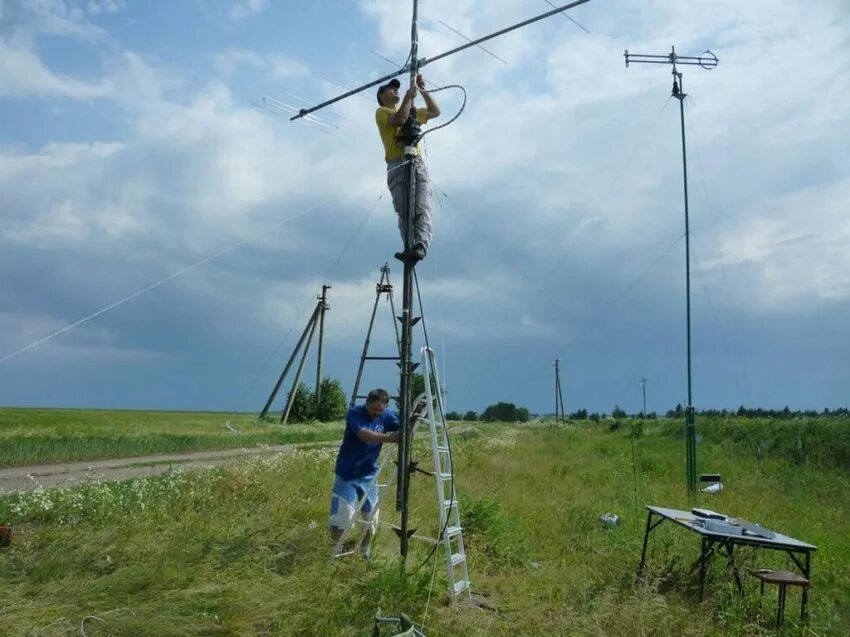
134	167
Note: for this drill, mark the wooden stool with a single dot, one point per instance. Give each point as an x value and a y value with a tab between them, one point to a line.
783	579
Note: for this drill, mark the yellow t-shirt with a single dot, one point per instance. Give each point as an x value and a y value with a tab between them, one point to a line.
393	148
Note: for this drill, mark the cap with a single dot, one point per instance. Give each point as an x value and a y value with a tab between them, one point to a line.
394	83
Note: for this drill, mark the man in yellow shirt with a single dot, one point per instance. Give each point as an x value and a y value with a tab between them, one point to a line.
390	117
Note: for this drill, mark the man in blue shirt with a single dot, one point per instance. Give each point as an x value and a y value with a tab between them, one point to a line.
367	427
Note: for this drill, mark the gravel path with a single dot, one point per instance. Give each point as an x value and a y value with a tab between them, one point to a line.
71	473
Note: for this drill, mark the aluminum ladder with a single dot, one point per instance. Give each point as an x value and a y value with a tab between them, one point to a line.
451	532
428	410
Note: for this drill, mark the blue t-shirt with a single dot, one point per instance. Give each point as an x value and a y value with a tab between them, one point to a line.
357	459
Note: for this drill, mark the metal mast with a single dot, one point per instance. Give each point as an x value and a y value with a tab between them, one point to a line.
410	136
706	60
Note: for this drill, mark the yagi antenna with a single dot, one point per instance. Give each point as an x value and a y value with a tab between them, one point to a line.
487	51
706	60
396	63
304	101
281	109
570	18
416	63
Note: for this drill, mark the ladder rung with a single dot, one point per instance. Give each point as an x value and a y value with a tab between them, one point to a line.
461	586
446	476
448	504
453	531
358	397
443	449
457	558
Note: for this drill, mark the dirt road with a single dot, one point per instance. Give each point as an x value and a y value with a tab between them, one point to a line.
68	474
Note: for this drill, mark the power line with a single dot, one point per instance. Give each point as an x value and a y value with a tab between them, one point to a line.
155	285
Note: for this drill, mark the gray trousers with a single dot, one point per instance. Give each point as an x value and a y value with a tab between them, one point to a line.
397	183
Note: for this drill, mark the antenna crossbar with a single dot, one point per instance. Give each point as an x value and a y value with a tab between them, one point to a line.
425	61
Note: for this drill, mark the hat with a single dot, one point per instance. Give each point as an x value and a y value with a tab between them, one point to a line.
394	83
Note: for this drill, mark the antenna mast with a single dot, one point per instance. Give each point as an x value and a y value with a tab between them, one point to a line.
706	60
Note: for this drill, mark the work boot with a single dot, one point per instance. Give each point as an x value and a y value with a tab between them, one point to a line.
401	256
418	252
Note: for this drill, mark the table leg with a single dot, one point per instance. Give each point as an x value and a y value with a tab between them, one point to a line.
645	540
804	605
780	611
735	568
703	559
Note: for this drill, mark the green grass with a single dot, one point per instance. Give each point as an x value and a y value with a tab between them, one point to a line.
34	436
242	550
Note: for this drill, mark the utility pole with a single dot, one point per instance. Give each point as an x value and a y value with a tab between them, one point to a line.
643	383
317	319
410	136
323	303
560	416
706	60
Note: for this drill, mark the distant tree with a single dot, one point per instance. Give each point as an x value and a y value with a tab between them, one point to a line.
678	412
504	412
470	416
581	414
332	405
619	412
453	415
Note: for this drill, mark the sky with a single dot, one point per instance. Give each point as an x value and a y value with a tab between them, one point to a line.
145	191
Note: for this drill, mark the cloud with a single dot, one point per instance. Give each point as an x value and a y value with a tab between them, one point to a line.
96	8
246	8
23	74
278	66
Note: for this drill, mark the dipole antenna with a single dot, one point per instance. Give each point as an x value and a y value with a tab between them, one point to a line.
409	138
706	60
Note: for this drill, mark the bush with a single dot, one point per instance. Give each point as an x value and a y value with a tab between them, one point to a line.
332	405
471	416
505	412
303	406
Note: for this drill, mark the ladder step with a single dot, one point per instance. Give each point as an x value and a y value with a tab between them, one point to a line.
443	449
457	558
449	504
452	531
446	476
359	397
461	586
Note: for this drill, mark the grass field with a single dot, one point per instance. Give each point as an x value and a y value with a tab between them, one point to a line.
35	436
242	550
